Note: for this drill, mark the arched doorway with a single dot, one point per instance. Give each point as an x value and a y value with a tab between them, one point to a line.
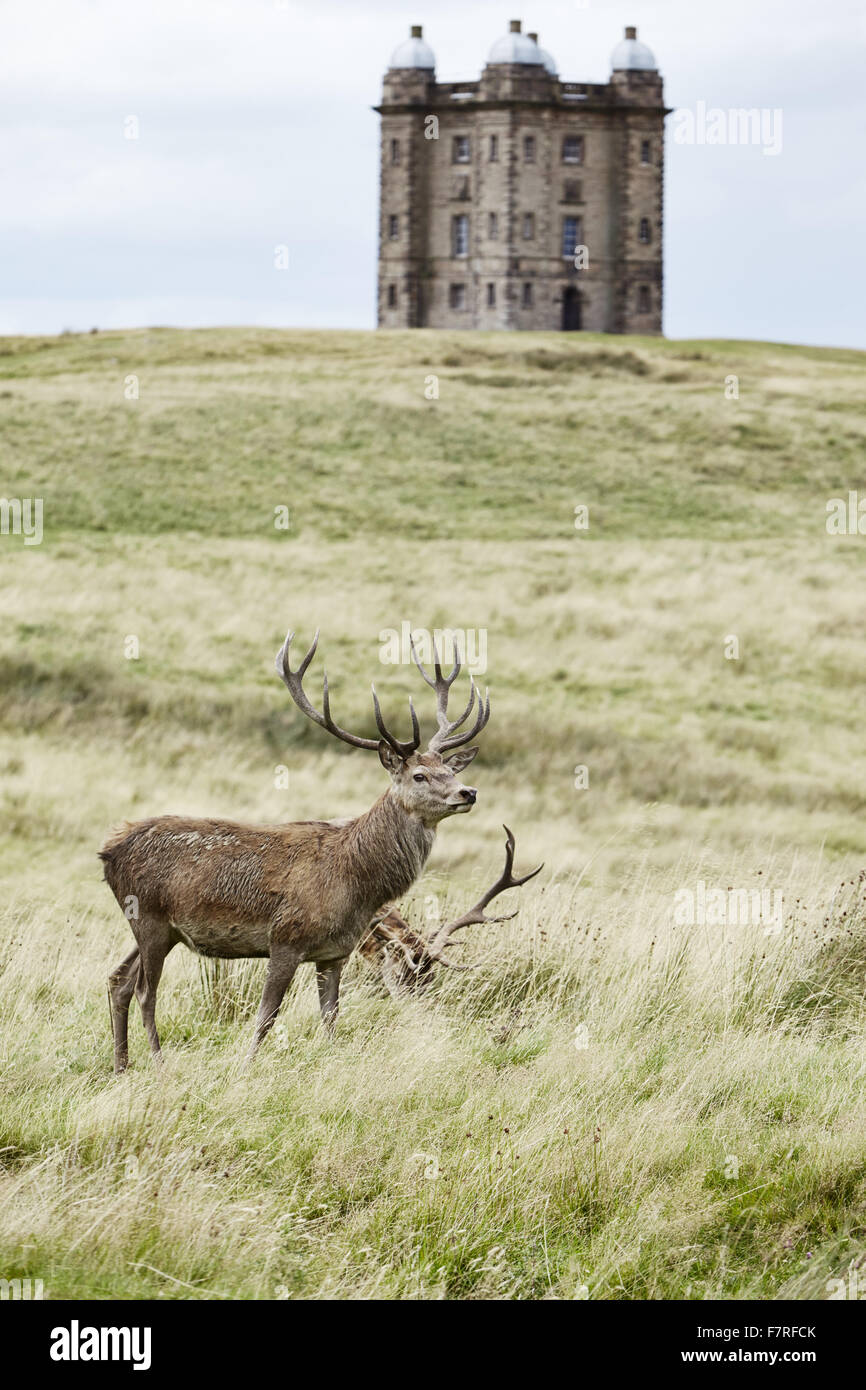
570	309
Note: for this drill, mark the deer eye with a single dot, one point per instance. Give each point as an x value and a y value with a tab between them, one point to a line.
419	777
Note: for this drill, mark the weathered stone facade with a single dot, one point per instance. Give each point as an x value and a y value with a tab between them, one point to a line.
536	167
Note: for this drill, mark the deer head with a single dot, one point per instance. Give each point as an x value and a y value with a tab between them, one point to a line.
424	783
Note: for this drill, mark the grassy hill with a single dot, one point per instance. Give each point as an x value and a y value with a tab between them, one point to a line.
558	1168
526	426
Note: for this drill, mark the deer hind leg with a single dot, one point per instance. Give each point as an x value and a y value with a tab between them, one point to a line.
328	974
154	943
281	971
121	987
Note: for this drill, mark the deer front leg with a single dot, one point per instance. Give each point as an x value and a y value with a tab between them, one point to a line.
328	974
281	971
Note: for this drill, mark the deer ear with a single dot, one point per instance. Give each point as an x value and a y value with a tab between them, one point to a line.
462	758
391	761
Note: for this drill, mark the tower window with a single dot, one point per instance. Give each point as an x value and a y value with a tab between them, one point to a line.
460	235
570	235
572	191
527	295
395	151
528	226
493	225
461	149
529	149
643	299
645	152
572	149
393	227
494	148
457	296
392	296
643	233
491	295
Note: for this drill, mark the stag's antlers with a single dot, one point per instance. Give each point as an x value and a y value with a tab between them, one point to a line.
442	741
294	681
445	738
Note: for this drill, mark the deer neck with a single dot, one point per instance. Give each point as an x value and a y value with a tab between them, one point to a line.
391	848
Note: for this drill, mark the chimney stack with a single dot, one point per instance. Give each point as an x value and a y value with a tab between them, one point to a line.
631	32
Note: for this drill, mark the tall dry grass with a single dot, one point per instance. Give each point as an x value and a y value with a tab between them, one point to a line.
612	1105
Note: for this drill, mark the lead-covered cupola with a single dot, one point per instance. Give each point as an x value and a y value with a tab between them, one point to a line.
632	56
515	47
413	52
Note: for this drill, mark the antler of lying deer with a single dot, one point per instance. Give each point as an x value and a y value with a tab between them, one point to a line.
389	932
476	914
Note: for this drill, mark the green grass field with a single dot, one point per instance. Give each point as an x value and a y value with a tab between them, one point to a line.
614	1104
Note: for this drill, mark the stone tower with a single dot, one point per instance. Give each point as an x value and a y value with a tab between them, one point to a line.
520	200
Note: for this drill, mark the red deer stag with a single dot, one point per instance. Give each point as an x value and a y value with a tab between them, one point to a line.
405	959
303	891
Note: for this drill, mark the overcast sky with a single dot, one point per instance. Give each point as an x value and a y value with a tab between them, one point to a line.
255	130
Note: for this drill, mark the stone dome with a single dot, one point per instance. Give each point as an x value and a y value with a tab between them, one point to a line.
515	47
631	56
413	52
546	58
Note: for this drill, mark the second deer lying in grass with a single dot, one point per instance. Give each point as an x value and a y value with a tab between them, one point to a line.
406	960
304	891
